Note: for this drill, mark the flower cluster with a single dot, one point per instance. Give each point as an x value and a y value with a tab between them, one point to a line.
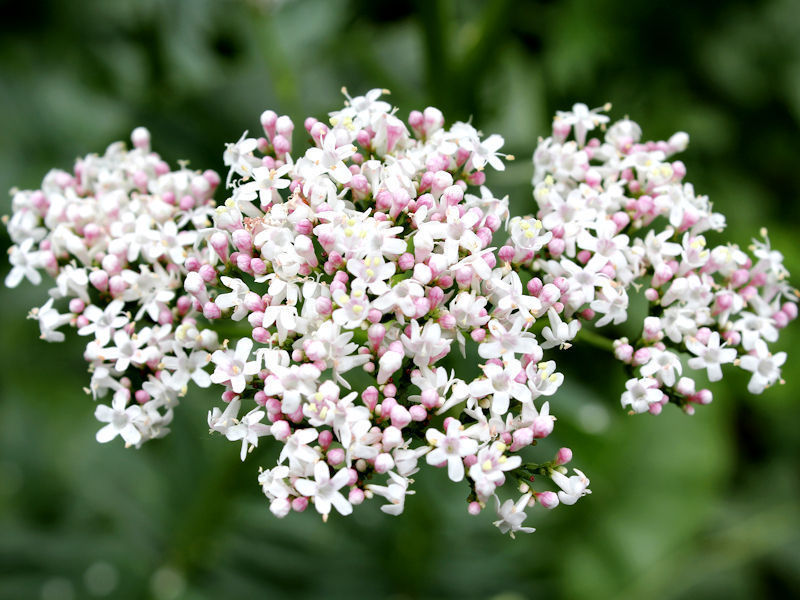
363	263
351	280
118	235
616	214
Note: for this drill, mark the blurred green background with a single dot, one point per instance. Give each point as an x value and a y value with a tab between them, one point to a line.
682	507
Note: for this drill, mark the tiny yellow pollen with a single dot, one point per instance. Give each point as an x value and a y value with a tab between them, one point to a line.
487	465
358	309
502	459
370	273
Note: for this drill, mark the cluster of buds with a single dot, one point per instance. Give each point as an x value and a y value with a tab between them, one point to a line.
351	279
119	235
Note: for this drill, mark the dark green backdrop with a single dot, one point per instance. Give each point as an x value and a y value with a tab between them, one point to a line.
700	507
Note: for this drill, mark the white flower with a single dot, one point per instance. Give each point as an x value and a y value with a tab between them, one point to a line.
710	355
501	384
330	159
559	333
103	322
233	367
249	429
663	364
324	490
572	488
511	515
765	367
450	447
395	493
121	420
425	345
641	393
582	119
234	299
23	264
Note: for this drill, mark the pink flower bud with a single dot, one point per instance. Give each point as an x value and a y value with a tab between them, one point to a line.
556	247
400	416
211	311
478	335
356	496
76	305
418	412
208	273
623	352
704	397
506	253
116	286
542	426
299	504
430	399
370	397
521	439
563	456
281	430
336	456
547	499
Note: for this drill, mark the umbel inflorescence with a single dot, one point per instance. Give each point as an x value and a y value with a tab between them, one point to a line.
326	294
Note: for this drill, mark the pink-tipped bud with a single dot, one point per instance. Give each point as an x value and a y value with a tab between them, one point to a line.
563	456
418	412
370	397
336	456
219	242
383	462
506	253
400	416
623	352
406	261
478	335
548	499
99	279
356	496
641	356
447	321
281	430
542	426
704	397
521	439
430	399
211	311
141	138
299	504
117	285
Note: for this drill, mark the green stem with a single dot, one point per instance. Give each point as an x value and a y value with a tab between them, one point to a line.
591	337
